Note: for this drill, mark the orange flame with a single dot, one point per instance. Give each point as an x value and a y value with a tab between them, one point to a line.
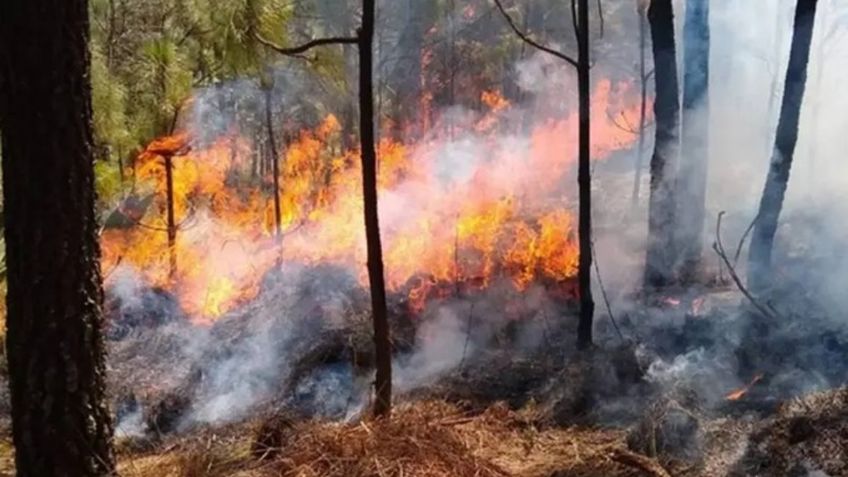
741	392
444	217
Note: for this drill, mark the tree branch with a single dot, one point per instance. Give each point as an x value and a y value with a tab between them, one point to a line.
529	40
719	250
298	50
601	17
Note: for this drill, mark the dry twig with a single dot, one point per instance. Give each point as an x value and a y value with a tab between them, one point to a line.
719	249
645	464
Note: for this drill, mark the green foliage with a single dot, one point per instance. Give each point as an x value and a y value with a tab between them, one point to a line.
107	182
109	104
148	55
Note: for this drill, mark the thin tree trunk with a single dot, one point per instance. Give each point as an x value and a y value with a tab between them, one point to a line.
771	203
643	108
692	179
660	257
172	224
55	348
121	175
275	163
382	343
584	181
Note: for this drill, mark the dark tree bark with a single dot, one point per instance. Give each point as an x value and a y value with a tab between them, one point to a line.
771	203
376	280
275	162
660	256
55	349
643	107
121	174
692	179
172	223
584	181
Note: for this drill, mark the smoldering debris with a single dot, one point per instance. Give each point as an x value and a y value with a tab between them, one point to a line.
132	306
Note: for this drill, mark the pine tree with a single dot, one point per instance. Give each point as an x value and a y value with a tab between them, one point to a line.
60	423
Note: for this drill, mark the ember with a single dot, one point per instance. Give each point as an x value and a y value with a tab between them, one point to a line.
741	392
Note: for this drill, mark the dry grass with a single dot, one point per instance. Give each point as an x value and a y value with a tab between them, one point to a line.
419	440
424	439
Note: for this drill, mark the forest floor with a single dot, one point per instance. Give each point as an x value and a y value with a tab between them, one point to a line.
806	437
427	438
438	439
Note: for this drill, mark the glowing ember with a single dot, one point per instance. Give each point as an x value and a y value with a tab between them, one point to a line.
741	392
503	211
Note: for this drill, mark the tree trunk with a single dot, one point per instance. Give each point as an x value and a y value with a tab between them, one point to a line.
275	163
121	174
60	423
660	257
382	344
692	179
643	108
172	224
584	182
762	240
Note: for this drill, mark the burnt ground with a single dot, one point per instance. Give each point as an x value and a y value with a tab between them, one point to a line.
303	349
660	393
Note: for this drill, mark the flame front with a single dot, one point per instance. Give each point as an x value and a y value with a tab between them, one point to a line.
485	207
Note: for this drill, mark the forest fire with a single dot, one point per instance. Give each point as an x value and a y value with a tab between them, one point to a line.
446	218
481	238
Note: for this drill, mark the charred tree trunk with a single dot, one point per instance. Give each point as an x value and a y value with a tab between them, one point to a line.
643	107
382	344
275	163
692	179
584	181
771	203
60	423
172	224
660	256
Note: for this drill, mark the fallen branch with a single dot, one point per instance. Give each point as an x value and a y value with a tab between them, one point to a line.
645	464
719	249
